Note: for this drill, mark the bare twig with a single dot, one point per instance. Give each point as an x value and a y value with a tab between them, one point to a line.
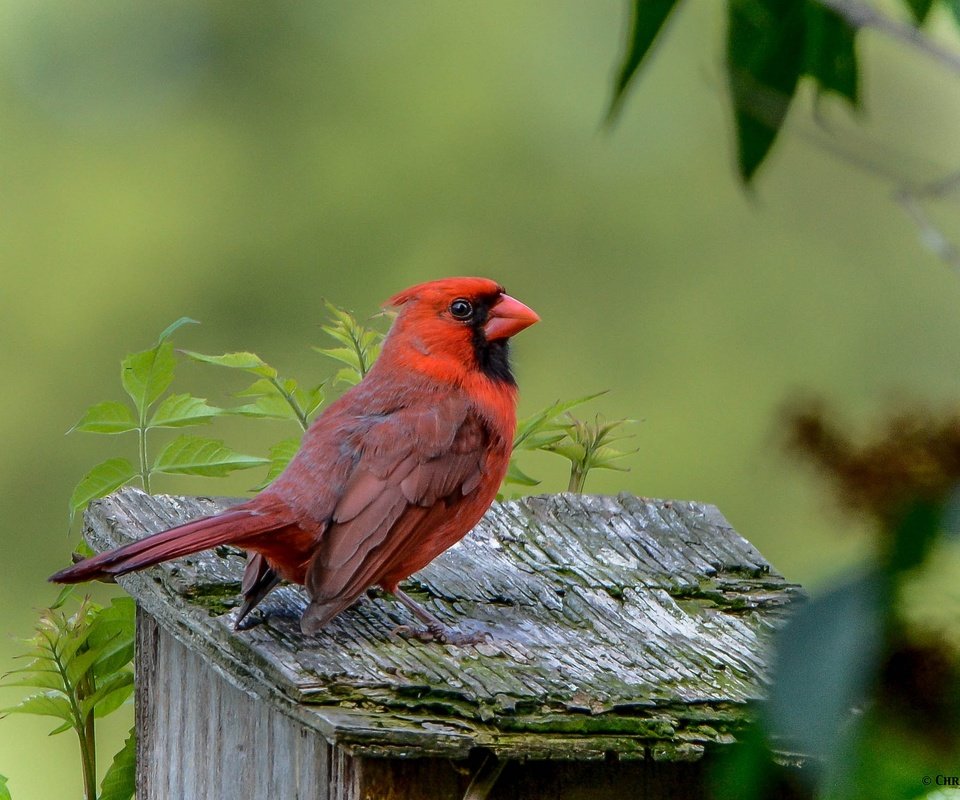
941	187
872	158
931	236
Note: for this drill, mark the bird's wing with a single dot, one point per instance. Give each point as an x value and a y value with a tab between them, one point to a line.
413	465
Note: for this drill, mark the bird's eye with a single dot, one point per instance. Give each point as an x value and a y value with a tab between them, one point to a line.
461	308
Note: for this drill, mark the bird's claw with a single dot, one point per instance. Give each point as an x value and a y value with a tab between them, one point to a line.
249	622
442	635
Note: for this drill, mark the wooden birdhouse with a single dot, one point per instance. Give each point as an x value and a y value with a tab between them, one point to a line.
628	638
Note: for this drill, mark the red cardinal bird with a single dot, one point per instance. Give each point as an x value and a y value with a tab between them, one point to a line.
388	477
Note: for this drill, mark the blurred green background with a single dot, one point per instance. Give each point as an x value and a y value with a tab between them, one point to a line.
238	162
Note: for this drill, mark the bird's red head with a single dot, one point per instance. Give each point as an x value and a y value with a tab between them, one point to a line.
456	324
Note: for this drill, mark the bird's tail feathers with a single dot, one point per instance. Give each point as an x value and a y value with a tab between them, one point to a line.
232	525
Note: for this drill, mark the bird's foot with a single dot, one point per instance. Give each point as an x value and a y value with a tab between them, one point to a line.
250	621
436	631
442	635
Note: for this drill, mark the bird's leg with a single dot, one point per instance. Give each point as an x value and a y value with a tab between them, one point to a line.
259	579
418	610
436	631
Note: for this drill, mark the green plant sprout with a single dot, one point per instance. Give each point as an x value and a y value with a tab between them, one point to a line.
360	345
81	664
585	445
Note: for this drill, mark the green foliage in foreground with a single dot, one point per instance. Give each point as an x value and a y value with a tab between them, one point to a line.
863	690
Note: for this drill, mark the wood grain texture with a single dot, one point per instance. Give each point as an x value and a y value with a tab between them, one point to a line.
620	625
201	737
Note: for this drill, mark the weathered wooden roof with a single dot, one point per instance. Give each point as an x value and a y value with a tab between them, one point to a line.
619	624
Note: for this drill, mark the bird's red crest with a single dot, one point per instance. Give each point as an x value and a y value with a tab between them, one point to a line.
446	287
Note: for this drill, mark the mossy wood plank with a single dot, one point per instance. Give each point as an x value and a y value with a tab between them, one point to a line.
618	624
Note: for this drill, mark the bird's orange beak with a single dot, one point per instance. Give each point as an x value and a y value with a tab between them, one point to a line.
508	317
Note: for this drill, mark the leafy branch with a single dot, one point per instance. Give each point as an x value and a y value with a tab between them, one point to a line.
146	376
272	397
771	45
863	15
80	662
360	345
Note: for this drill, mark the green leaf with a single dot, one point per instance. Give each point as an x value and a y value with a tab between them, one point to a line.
249	362
649	17
61	728
280	455
261	387
119	782
831	56
519	477
173	327
84	550
572	451
44	704
179	410
109	417
312	400
82	660
36	677
119	692
914	533
62	597
545	438
192	455
283	452
109	696
919	9
546	424
765	56
954	6
345	355
347	376
604	457
101	480
147	375
108	646
114	626
361	345
273	406
4	791
71	633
